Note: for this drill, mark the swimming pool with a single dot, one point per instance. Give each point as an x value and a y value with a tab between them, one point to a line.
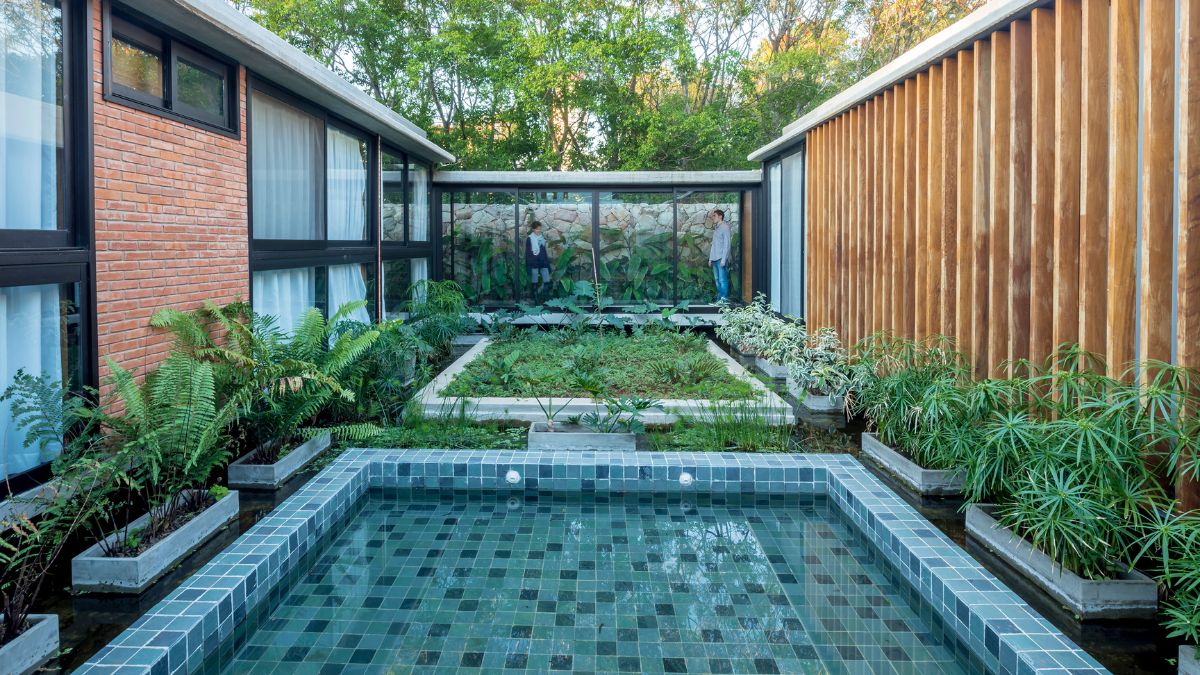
431	561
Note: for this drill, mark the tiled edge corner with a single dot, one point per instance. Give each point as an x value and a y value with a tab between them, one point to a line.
994	622
178	633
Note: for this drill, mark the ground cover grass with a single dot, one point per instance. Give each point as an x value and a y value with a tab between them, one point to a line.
741	427
593	364
453	434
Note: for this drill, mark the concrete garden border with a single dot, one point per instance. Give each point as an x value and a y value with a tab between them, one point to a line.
243	474
32	648
1189	662
574	437
96	572
433	404
1131	595
771	370
30	503
925	482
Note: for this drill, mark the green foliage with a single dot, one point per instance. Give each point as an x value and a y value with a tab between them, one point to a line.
451	433
730	426
597	364
218	492
622	414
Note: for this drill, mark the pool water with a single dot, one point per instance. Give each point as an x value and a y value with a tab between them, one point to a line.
491	582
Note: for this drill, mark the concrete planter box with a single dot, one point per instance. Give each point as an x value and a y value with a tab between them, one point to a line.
94	571
28	504
815	403
1132	595
926	482
576	437
243	474
771	370
1189	664
32	648
434	404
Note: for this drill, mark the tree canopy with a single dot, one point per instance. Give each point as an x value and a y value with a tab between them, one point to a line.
603	84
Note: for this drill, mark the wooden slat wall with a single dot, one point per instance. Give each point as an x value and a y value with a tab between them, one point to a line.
1020	193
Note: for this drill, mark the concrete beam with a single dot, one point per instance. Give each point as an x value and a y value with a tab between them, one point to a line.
218	26
599	178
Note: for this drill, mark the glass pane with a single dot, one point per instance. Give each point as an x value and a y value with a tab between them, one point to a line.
346	180
566	234
285	294
137	68
31	115
418	181
50	314
392	206
482	246
792	289
775	208
285	174
200	88
636	243
710	228
351	283
400	279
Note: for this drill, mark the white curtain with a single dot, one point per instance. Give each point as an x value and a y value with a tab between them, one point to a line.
775	188
793	235
348	283
346	181
30	338
31	115
418	179
284	174
285	294
420	272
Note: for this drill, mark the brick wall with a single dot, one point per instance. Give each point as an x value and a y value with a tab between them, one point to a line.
171	220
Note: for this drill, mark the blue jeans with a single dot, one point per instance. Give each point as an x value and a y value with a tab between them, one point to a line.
721	277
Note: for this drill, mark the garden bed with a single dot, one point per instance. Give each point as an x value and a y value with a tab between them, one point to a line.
29	650
490	387
245	474
925	482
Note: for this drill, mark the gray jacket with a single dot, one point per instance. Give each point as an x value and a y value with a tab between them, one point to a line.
721	240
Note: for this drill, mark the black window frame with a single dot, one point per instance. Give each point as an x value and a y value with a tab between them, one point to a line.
31	257
140	31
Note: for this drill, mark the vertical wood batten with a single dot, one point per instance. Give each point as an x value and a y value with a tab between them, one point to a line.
919	184
898	204
1156	245
982	212
1000	258
1041	223
933	205
1187	216
1067	133
949	197
1093	179
909	317
965	264
1019	180
1122	183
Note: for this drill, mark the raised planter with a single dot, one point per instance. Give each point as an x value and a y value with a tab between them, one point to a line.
771	370
1130	595
28	504
32	648
923	481
94	571
243	474
576	437
814	403
1188	662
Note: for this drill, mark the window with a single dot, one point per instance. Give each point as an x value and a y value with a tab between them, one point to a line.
775	210
401	279
285	177
287	294
393	200
346	180
49	313
791	298
419	196
150	69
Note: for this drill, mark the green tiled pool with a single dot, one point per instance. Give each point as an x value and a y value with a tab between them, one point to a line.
595	583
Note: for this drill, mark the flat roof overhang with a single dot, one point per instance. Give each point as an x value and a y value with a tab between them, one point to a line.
586	179
217	25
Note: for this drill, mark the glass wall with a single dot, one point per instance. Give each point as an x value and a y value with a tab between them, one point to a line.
566	219
791	296
482	246
641	245
701	216
401	284
285	177
392	196
636	246
775	215
287	294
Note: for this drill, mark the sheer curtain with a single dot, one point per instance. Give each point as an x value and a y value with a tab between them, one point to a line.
346	185
418	180
285	294
30	338
348	283
420	272
284	174
793	235
31	115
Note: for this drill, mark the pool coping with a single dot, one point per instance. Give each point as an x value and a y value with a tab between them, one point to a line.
524	409
1000	629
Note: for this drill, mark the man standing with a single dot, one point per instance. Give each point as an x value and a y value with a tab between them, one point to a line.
718	254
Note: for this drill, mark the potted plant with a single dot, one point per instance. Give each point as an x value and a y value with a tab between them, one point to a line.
163	440
913	394
32	546
821	375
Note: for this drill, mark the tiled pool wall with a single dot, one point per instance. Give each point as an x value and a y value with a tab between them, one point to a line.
177	635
